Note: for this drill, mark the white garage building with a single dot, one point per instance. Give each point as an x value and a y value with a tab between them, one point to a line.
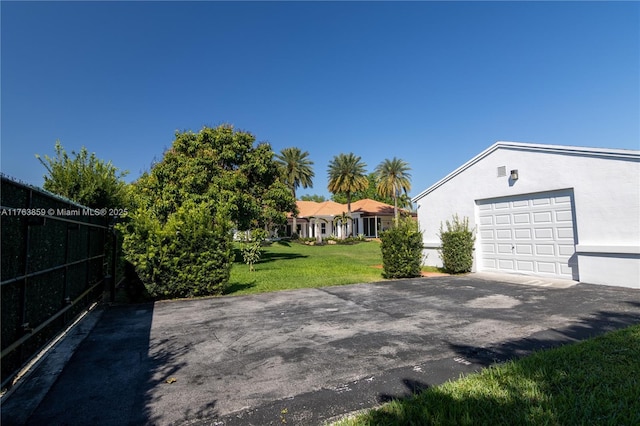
545	210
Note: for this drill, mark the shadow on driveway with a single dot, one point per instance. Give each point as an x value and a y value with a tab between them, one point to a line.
625	407
594	325
306	356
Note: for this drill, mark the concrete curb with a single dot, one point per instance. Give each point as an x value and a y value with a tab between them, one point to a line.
525	279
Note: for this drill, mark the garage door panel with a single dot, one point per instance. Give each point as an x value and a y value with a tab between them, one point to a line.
541	201
525	266
566	250
506	264
522	234
545	250
564	216
486	234
489	263
503	219
565	269
564	233
547	267
542	217
488	248
531	234
504	248
486	220
543	233
503	234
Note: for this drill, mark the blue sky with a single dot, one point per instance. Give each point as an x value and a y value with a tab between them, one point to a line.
429	82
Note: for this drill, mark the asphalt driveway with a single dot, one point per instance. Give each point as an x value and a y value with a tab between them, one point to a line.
305	356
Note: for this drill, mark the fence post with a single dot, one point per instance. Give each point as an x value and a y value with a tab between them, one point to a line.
114	254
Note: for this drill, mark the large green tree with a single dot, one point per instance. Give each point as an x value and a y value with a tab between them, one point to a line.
347	175
393	179
313	197
296	170
223	165
84	178
206	184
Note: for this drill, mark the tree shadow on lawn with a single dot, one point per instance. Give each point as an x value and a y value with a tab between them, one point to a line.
435	406
413	387
272	257
236	287
267	257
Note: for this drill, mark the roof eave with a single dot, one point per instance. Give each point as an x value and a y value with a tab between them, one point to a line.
557	149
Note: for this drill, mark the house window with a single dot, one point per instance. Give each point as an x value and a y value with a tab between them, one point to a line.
323	228
370	228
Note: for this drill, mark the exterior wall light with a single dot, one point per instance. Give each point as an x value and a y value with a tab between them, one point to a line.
514	174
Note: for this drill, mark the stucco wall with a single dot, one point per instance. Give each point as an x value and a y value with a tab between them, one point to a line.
606	190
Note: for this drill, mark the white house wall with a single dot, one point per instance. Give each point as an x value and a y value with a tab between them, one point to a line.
606	189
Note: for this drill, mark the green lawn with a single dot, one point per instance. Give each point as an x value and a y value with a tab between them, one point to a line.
288	265
595	382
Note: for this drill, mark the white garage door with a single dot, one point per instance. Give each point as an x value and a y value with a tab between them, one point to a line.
529	234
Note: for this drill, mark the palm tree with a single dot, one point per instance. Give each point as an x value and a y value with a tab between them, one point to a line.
347	175
343	221
404	202
296	170
393	179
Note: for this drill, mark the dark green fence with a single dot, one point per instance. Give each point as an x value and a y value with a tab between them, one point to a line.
54	256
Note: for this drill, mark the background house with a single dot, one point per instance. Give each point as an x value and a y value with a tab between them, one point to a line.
556	211
314	218
370	218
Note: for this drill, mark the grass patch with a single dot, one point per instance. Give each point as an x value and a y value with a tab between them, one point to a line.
592	382
287	265
432	269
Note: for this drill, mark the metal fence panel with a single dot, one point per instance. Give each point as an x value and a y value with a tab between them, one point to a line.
52	268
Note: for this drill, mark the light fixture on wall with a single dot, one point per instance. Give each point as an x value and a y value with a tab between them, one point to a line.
514	174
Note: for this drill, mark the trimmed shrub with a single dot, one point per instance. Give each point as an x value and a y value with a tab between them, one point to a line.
401	250
346	241
188	256
457	242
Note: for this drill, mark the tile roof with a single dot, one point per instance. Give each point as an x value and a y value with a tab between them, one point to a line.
366	207
326	208
369	206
